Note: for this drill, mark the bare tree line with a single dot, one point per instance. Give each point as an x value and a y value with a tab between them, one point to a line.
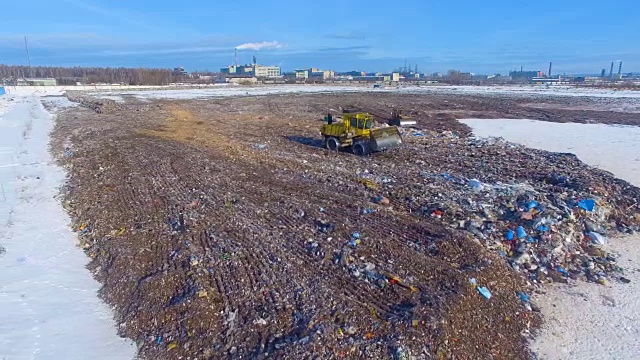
90	75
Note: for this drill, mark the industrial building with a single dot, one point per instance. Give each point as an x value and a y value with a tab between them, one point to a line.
260	71
252	70
525	75
314	73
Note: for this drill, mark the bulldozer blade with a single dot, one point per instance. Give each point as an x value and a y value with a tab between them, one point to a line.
385	139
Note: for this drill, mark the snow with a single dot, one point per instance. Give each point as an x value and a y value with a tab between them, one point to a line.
586	321
116	92
614	148
48	300
231	90
571	91
632	98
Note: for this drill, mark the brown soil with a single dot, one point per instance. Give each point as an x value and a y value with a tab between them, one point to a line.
242	278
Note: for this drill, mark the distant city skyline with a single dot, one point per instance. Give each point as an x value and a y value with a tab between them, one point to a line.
467	35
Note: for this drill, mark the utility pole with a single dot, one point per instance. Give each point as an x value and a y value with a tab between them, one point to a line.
26	47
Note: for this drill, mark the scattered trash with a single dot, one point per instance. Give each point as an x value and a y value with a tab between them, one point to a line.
597	238
260	146
587	204
324	227
369	184
523	297
476	185
509	235
484	292
624	280
68	152
381	200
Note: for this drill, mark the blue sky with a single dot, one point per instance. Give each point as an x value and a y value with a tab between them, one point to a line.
471	35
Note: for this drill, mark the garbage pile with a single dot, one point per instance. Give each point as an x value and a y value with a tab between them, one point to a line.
552	227
259	246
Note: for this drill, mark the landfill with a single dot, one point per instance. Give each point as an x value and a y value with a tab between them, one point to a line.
222	229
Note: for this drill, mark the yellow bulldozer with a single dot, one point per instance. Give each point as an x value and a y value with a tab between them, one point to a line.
358	132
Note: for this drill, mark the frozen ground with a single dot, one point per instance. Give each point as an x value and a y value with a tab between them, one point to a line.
234	90
49	307
586	321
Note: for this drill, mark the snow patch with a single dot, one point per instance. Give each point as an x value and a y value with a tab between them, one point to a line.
48	299
614	148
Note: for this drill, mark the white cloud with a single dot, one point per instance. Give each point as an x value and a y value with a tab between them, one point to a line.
260	45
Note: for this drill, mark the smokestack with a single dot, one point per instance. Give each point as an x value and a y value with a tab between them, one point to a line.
255	61
620	70
611	70
521	68
549	75
235	57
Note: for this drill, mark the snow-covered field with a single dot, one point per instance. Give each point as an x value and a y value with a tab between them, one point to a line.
49	307
527	90
232	90
586	321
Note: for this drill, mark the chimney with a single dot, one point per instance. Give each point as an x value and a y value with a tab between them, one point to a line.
611	70
235	58
521	68
620	70
549	74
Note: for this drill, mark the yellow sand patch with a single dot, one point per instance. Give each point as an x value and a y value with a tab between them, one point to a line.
184	126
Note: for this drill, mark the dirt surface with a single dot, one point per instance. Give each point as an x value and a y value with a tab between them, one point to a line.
222	229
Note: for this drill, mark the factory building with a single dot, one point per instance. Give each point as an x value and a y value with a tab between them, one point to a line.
525	75
252	70
314	73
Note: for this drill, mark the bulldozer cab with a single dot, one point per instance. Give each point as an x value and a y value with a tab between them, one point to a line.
358	122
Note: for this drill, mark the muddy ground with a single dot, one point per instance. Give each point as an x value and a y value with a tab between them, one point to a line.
220	228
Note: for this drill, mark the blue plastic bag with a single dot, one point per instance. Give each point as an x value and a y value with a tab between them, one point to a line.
509	235
521	233
523	297
542	228
587	204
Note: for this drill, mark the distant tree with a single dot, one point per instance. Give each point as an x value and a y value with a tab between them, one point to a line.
66	75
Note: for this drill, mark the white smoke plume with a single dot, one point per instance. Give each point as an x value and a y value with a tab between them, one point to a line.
264	45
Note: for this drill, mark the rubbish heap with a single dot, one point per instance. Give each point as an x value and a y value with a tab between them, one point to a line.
551	227
210	245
